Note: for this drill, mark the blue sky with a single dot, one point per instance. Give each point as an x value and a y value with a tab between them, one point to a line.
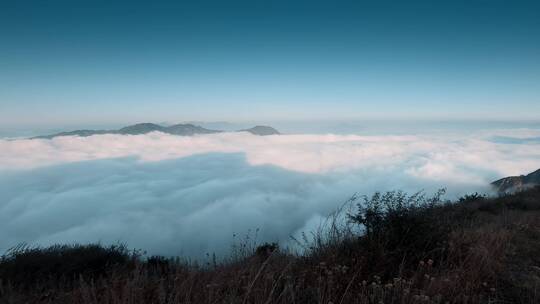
102	62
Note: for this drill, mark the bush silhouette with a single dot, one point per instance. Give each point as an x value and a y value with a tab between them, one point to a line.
27	266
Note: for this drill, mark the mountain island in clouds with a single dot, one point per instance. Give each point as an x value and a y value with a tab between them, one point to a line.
144	128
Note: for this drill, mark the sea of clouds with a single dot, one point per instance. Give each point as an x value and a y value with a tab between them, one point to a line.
188	195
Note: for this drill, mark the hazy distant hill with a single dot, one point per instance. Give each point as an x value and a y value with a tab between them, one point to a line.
513	184
262	130
514	140
179	129
82	133
143	128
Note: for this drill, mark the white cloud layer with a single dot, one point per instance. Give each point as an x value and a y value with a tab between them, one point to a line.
188	195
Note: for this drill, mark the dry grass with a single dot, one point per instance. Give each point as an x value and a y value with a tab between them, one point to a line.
474	251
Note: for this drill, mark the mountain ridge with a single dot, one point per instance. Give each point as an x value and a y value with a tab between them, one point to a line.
144	128
512	184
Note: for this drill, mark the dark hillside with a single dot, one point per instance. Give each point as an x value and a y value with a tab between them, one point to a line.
514	184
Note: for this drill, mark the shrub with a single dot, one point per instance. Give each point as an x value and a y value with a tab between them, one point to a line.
266	249
474	197
399	227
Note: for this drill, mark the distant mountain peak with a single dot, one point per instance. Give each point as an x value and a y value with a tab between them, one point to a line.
514	184
141	128
188	129
262	130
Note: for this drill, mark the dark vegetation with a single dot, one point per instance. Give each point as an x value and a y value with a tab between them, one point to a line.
390	248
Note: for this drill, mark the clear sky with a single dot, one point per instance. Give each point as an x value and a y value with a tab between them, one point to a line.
66	62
